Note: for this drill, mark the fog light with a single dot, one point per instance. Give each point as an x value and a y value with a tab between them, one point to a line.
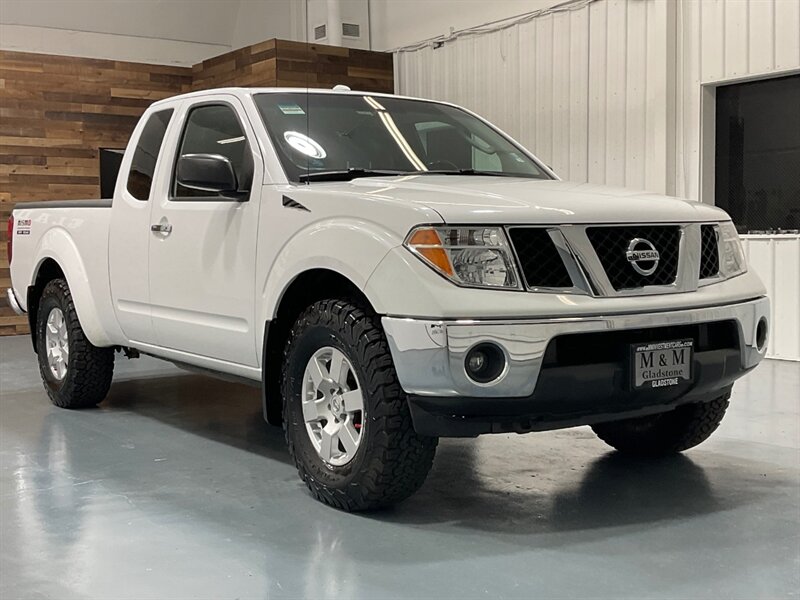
761	334
485	363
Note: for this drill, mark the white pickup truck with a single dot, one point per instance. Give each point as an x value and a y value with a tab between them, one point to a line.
389	270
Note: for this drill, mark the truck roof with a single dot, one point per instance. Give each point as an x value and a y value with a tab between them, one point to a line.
249	91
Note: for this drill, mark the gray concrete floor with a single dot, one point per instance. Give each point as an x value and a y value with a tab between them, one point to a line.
176	488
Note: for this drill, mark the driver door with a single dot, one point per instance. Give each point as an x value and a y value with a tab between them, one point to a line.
203	247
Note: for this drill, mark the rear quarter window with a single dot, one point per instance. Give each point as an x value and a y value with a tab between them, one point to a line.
143	165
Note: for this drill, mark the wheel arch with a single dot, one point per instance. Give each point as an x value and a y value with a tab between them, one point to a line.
58	256
306	288
47	270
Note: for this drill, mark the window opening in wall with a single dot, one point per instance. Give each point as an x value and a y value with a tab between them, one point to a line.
757	170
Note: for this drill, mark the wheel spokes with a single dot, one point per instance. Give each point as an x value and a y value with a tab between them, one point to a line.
328	441
332	406
348	436
57	343
61	367
315	410
317	372
353	401
339	368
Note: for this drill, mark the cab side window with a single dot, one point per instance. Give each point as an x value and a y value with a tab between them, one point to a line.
213	129
143	164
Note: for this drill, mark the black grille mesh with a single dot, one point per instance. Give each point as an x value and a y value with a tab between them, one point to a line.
709	252
611	244
541	264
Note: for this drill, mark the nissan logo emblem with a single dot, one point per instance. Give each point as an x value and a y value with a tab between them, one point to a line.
643	256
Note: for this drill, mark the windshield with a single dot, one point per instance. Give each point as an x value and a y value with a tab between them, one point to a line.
319	134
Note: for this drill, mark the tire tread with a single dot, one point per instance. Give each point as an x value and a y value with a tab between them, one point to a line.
90	369
685	427
399	459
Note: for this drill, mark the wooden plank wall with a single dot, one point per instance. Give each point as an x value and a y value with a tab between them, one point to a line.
56	112
314	65
252	66
283	63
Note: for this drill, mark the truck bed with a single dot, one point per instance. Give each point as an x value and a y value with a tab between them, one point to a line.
74	234
66	204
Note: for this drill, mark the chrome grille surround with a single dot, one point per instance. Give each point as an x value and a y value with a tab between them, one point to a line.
589	275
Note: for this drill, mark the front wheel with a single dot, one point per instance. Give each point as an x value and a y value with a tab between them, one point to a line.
667	433
76	374
347	421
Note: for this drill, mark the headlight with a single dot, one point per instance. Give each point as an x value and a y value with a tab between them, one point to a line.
731	254
468	256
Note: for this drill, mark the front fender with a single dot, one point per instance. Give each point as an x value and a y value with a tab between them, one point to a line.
57	244
351	247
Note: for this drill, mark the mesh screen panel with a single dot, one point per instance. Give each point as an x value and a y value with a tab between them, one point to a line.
611	245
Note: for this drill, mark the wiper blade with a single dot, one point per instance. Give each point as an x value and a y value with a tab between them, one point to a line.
348	174
474	172
356	173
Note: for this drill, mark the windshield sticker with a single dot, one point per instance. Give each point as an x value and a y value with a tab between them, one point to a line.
291	109
516	157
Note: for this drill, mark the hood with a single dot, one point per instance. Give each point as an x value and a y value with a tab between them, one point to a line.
500	200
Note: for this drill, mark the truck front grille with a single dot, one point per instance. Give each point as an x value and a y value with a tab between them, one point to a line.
542	266
611	244
709	252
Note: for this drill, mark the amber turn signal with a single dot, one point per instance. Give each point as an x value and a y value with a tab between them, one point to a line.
428	244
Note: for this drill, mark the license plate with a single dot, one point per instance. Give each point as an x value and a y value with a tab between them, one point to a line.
661	364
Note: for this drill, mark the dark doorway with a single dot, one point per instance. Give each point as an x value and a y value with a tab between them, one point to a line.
110	160
758	154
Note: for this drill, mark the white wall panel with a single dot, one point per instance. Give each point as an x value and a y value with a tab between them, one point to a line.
787	34
398	23
584	89
598	39
690	49
635	94
776	259
721	41
179	32
23	38
616	105
561	80
611	93
735	37
604	69
578	158
543	90
760	28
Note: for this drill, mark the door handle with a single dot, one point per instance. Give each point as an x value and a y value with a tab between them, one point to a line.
164	228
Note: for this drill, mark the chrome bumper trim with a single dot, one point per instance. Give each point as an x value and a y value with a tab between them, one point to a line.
13	302
429	354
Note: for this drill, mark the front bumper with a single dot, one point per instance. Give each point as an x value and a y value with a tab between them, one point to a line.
540	389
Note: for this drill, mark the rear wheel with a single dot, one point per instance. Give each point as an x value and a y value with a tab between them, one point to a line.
76	374
347	422
667	433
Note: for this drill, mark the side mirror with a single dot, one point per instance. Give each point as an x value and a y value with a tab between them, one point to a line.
208	173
